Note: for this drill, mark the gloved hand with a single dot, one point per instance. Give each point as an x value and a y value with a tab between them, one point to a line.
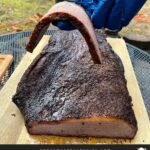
111	14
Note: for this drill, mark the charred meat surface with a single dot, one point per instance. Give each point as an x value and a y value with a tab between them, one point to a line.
64	93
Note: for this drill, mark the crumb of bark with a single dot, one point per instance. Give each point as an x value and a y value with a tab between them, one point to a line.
14	115
82	123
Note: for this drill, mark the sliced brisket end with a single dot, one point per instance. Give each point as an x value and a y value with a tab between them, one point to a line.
64	93
77	16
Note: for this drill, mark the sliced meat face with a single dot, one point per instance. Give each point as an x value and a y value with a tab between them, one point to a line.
89	127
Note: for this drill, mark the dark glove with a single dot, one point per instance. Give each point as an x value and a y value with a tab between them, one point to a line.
111	14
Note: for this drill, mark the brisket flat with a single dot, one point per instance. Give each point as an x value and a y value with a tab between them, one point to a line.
64	93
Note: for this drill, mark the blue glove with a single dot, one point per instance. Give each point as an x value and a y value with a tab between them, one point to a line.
111	14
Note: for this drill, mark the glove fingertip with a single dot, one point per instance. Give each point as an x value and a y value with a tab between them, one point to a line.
64	25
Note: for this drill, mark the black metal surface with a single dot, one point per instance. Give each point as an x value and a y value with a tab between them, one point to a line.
15	44
141	64
138	41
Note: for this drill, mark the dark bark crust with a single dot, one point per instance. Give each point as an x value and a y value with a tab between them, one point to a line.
63	83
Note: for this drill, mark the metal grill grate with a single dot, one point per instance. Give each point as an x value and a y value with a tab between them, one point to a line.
15	44
141	64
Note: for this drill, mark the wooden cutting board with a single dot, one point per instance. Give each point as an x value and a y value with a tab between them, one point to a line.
12	128
5	62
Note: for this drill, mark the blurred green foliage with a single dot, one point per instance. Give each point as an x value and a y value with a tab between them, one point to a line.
12	11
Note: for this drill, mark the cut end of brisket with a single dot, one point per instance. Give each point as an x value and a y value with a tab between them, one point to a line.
90	127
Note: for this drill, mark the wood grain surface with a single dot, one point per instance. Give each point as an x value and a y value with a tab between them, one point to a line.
5	62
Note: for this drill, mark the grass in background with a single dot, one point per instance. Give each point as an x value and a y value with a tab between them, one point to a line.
17	15
141	23
21	14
